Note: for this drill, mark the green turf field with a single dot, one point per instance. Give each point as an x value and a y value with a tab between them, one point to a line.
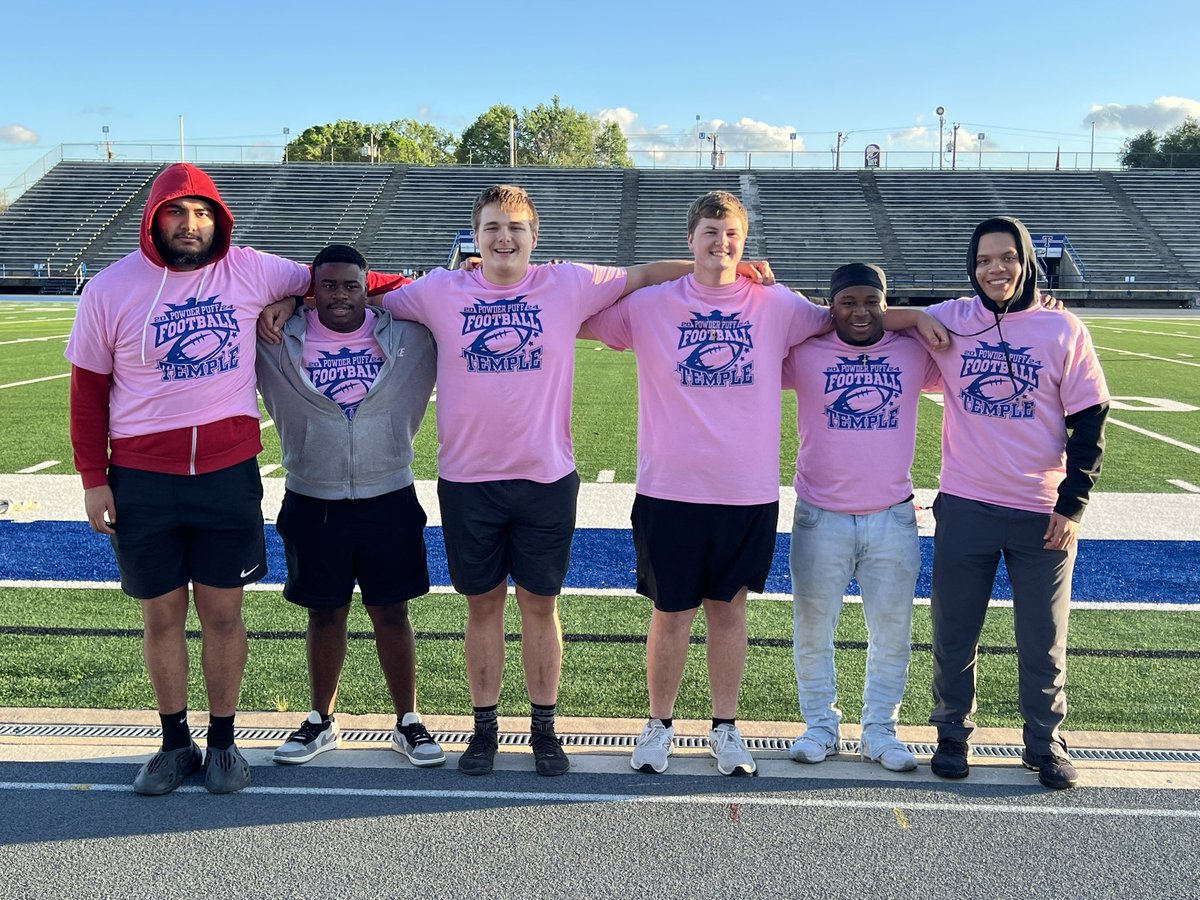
1129	670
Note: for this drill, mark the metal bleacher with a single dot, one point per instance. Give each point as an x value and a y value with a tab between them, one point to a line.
1170	202
662	207
813	222
1129	227
579	212
56	220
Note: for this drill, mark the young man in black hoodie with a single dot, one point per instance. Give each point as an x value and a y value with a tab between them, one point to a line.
1022	441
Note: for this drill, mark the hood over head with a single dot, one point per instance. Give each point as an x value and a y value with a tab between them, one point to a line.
1027	295
185	180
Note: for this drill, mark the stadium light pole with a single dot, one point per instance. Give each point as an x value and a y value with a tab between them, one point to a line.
941	114
1092	155
181	152
286	140
792	138
107	145
981	137
954	148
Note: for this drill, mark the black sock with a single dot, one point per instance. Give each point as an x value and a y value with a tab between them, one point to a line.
667	723
542	717
175	732
485	718
220	732
717	722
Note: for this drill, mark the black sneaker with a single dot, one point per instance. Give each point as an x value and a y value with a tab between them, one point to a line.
480	755
1054	772
548	756
950	760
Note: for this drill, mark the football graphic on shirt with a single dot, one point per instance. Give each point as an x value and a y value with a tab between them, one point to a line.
340	392
995	388
862	400
501	340
198	346
714	356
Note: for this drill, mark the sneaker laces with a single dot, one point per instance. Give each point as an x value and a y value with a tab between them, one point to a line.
482	743
654	734
416	734
729	739
307	732
545	742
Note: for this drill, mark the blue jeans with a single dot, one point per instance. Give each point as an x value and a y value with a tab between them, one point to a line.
880	550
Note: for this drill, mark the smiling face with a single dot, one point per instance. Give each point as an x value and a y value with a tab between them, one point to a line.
505	239
998	267
340	291
858	314
183	232
717	245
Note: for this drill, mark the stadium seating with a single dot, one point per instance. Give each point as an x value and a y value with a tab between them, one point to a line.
1122	225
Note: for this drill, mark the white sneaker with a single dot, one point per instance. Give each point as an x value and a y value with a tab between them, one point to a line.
412	739
813	748
654	745
726	744
892	755
312	737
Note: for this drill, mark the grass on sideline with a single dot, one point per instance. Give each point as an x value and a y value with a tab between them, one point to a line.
605	411
599	678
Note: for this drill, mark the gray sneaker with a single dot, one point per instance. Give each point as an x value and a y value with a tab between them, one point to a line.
412	739
166	769
726	744
654	745
312	737
813	747
225	771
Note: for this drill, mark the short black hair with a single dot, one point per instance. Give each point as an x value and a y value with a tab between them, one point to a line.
340	253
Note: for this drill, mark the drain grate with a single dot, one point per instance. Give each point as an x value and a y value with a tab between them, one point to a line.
614	741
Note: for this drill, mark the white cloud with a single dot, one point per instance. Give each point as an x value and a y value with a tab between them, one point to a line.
749	134
17	134
1161	114
916	138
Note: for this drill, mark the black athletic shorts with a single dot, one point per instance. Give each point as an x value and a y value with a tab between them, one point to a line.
176	529
515	527
691	552
330	544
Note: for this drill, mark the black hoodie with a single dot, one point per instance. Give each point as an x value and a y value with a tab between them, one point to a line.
1085	429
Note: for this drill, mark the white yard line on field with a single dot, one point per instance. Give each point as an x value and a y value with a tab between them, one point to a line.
48	464
53	337
1155	435
1177	362
35	380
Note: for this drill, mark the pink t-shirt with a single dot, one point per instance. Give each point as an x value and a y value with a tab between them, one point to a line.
1004	433
506	365
856	413
342	365
709	362
179	345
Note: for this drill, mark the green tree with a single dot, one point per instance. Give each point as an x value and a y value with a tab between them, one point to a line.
485	141
1179	148
1181	145
401	141
558	135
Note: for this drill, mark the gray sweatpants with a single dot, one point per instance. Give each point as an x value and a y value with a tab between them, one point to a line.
968	542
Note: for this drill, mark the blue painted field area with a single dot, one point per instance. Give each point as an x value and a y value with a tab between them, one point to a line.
1113	571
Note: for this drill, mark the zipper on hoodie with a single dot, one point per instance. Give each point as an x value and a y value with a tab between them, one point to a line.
192	458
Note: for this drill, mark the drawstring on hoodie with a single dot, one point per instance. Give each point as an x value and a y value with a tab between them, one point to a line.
158	293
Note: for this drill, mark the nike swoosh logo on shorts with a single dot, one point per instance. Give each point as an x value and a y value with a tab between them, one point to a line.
248	571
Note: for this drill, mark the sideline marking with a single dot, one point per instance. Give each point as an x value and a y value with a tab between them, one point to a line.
1186	485
1178	362
53	337
35	380
48	464
265	424
605	476
1155	435
268	468
1194	337
1018	809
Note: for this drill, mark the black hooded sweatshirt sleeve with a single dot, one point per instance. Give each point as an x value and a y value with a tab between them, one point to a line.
1085	429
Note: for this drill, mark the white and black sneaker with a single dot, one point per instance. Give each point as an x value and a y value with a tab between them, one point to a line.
315	735
654	745
413	739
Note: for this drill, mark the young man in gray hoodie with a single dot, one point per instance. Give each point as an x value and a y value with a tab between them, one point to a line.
347	388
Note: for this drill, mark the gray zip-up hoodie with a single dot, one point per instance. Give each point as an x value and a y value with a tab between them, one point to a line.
328	456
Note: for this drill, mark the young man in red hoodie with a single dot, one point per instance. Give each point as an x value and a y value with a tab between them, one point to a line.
165	429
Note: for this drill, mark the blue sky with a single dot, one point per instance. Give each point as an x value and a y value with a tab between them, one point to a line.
1031	76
